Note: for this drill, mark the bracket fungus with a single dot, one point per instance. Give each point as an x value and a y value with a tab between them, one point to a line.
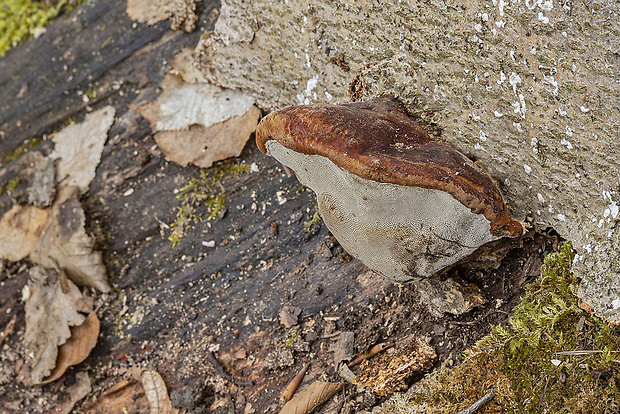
405	205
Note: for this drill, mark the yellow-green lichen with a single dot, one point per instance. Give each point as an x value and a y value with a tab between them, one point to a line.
20	18
203	190
552	357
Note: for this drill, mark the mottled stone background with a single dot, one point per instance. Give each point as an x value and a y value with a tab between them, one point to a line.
530	88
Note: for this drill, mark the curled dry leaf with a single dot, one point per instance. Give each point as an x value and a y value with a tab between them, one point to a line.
65	245
312	397
79	148
53	307
20	229
83	339
156	392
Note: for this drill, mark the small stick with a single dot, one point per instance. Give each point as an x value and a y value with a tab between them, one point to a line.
119	386
220	369
290	389
478	404
371	353
8	329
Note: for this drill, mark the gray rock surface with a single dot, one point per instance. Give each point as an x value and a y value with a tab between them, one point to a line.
530	88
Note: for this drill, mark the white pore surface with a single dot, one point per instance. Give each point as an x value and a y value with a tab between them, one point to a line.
401	232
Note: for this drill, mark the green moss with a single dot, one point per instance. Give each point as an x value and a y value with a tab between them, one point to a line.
20	18
26	146
551	358
203	190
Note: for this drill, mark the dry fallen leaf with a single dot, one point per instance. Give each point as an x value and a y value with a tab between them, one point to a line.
156	392
65	245
83	339
53	307
75	393
20	229
197	122
312	397
202	146
288	315
79	148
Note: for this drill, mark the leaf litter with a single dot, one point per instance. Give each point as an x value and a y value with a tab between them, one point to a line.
65	245
54	305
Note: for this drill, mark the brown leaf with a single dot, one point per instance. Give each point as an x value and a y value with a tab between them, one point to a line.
20	229
197	122
156	392
50	312
312	397
288	315
65	245
83	339
79	148
202	146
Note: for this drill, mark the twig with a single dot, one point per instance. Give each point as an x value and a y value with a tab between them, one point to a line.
220	369
542	397
583	352
371	353
478	404
8	329
290	389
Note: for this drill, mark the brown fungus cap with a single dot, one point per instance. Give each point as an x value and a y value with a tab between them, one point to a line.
377	140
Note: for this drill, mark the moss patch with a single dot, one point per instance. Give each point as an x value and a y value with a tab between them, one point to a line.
551	358
26	146
204	190
20	18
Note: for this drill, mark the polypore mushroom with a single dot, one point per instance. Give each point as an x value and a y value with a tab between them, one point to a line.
405	205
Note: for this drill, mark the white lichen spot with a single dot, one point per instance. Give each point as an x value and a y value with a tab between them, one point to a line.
475	117
328	96
551	209
498	114
560	110
254	167
614	210
588	248
569	131
514	80
540	198
502	78
482	136
527	168
485	17
501	4
564	34
584	109
538	212
533	51
543	19
600	223
551	80
308	64
500	23
478	27
479	147
561	217
517	126
615	303
566	143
